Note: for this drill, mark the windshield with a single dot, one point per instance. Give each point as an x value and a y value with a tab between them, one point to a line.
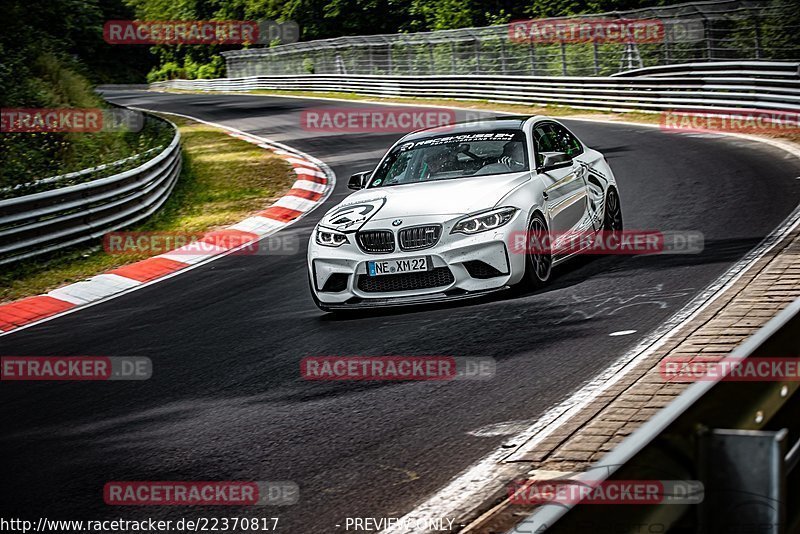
453	156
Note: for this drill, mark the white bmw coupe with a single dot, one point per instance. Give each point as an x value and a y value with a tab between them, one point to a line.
438	217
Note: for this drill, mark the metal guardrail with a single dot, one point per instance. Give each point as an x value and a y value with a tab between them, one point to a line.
39	223
734	437
81	174
615	93
786	70
696	31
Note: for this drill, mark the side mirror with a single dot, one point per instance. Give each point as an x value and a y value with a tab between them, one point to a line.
358	180
554	160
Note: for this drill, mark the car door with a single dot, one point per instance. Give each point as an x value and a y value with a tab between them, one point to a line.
571	145
564	188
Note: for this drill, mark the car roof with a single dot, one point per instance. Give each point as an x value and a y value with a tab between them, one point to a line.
487	124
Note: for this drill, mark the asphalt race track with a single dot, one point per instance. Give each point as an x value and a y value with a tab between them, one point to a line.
226	400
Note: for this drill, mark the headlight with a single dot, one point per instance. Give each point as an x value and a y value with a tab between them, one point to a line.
481	222
330	238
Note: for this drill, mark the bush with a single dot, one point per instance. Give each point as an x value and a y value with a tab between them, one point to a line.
191	70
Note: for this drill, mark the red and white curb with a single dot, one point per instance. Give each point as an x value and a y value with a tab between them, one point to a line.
315	181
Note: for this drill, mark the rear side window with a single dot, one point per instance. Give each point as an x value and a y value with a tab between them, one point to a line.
551	137
569	143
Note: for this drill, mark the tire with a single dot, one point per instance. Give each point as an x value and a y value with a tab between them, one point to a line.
538	265
612	218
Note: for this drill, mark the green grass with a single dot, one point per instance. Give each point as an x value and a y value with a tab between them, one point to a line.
29	156
223	181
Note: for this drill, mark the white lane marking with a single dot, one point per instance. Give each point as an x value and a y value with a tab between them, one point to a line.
506	428
622	333
467	490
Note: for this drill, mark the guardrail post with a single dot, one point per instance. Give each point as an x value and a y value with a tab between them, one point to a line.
744	475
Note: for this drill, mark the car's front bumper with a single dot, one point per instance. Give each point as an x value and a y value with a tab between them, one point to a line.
465	257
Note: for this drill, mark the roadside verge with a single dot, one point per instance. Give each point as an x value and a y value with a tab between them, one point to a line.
314	183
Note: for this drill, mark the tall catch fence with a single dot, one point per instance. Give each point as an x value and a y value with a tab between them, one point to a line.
587	45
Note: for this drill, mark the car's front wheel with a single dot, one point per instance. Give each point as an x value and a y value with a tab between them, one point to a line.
612	219
538	260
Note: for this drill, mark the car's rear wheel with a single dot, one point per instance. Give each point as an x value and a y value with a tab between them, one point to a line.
538	260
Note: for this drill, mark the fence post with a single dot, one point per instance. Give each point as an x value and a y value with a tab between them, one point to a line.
757	38
503	56
477	55
563	59
709	47
371	61
431	61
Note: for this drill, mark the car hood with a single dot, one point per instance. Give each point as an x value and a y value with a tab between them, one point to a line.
444	197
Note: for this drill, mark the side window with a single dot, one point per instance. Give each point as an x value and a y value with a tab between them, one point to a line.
543	140
565	141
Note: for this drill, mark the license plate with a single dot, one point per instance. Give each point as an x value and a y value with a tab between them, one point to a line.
406	265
